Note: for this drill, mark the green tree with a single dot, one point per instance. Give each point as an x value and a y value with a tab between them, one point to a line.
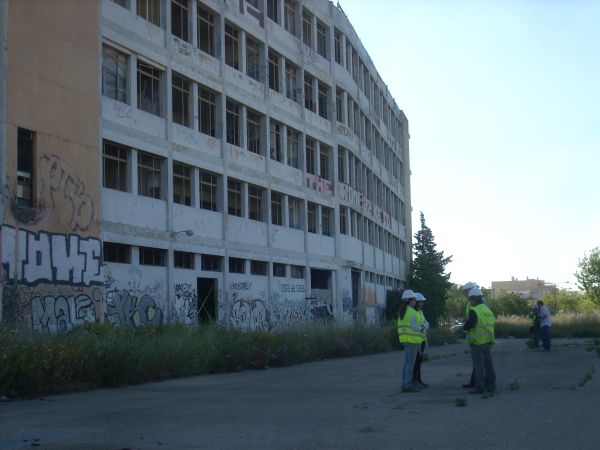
588	275
456	303
509	304
564	301
428	273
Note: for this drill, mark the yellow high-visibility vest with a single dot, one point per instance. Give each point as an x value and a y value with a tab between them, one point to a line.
405	331
483	332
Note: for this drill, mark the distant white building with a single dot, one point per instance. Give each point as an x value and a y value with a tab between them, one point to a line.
528	289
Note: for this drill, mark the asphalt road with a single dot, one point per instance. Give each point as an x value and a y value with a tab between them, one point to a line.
352	403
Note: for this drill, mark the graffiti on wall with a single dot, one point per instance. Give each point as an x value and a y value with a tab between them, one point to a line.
62	189
58	314
50	258
320	311
185	305
319	184
286	312
361	201
132	307
135	306
249	315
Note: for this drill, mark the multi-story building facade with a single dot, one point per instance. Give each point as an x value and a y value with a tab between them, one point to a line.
181	160
528	289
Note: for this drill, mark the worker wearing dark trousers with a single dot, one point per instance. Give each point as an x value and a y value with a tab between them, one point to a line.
417	380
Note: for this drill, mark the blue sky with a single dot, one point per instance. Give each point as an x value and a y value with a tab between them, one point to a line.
503	103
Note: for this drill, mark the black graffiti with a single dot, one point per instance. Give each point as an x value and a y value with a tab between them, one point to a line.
59	184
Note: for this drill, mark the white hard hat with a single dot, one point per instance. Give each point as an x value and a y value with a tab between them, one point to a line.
475	292
408	294
420	297
468	286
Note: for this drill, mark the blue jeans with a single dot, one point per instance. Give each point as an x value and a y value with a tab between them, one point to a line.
546	337
410	355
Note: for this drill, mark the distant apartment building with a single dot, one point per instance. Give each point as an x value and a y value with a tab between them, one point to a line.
236	161
527	289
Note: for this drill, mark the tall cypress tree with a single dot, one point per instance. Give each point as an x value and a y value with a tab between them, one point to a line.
428	274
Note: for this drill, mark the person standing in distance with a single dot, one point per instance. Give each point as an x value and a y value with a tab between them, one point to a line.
410	334
480	336
417	380
545	322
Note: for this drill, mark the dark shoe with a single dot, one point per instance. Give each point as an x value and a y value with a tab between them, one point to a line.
477	391
422	385
468	386
410	389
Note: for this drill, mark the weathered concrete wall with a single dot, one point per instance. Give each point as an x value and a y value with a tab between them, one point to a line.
51	252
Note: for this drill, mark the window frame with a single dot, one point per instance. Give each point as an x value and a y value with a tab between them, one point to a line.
207	111
182	183
232	46
121	252
152	256
253	131
205	25
180	90
121	80
253	47
149	10
233	116
255	202
147	74
26	140
295	213
180	24
183	260
277	203
234	197
236	265
148	171
209	190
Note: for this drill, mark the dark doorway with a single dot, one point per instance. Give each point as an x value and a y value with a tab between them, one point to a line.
207	300
355	291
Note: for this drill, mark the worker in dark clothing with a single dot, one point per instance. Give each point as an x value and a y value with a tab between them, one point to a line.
480	336
465	290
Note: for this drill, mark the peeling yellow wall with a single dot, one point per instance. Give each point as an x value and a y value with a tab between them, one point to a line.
53	90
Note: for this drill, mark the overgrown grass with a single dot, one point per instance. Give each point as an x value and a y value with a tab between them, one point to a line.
99	355
563	325
104	355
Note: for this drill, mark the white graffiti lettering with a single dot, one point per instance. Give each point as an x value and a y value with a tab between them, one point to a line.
52	258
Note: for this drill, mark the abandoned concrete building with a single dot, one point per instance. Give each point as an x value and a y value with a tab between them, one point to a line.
238	161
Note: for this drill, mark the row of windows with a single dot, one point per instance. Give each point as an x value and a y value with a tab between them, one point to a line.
149	256
355	224
284	141
121	253
367	132
353	172
115	70
242	199
285	210
315	34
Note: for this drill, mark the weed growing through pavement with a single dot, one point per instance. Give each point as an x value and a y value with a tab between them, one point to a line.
460	401
515	385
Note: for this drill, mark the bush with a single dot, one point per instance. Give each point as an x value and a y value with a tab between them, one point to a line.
98	355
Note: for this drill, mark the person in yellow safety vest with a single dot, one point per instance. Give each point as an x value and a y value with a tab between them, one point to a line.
410	333
417	380
465	290
480	336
